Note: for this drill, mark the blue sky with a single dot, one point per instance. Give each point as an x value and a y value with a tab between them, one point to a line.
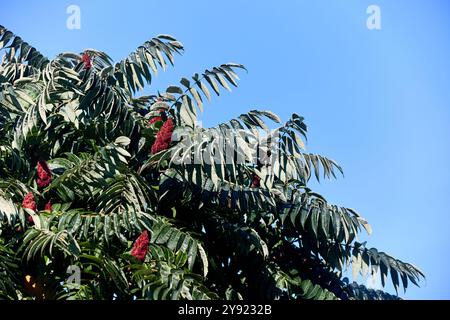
377	101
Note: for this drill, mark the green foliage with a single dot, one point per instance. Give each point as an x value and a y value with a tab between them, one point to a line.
226	209
19	51
9	270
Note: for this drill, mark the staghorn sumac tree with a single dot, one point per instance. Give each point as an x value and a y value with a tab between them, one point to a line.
148	204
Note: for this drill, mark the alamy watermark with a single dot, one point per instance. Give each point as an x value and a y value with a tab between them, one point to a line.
374	20
73	21
74	277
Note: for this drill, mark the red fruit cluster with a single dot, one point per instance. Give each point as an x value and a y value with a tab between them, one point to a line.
28	202
161	117
155	119
164	137
140	247
48	206
256	181
44	175
86	60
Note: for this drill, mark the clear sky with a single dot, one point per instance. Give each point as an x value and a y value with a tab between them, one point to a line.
377	101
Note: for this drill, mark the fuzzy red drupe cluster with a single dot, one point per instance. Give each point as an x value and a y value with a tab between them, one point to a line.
86	60
164	137
256	181
48	206
44	175
29	202
140	247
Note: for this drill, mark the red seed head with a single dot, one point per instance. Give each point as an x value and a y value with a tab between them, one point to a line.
86	60
256	181
155	119
164	137
29	202
140	247
44	175
48	206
